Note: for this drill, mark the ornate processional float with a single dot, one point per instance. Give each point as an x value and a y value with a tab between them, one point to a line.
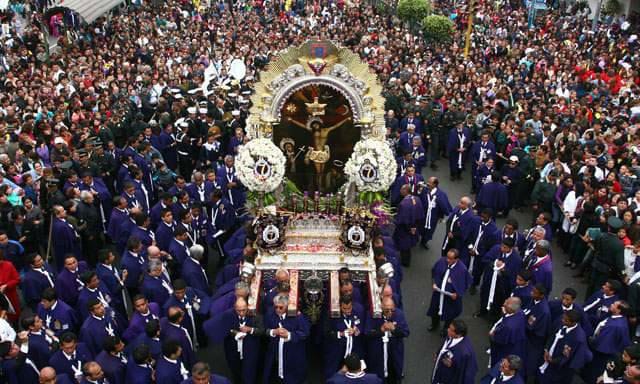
317	125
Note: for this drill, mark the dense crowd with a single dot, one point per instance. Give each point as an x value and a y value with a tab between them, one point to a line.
118	188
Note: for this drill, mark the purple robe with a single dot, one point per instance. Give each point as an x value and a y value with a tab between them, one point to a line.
60	318
195	275
237	240
395	346
101	293
138	322
164	235
610	337
112	366
413	183
538	318
596	308
213	379
229	272
455	141
493	195
335	345
570	355
505	278
68	284
509	337
62	365
168	372
227	287
102	200
294	359
170	331
154	289
542	274
557	310
461	225
94	331
126	228
138	374
145	235
234	195
155	214
135	266
41	348
179	251
458	281
410	215
65	241
222	303
523	292
34	282
464	366
437	206
218	330
358	378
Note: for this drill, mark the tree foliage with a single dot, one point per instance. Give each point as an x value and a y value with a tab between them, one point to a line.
438	28
612	7
413	11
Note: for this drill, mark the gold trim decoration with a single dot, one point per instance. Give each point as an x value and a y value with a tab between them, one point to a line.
317	63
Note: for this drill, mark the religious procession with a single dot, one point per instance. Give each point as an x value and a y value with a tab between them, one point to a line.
327	191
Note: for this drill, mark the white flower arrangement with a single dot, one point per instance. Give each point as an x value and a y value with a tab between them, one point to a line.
260	165
371	166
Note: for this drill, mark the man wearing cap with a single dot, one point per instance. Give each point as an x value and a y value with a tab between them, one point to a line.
608	259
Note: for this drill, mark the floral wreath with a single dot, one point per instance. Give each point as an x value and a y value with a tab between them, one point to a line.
371	166
260	165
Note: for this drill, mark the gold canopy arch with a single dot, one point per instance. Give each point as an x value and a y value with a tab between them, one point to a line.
318	63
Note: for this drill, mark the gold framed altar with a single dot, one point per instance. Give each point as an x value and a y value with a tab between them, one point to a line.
314	103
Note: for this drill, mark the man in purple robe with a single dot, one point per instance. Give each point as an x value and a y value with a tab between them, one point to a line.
285	359
143	313
411	179
460	226
493	195
56	314
408	220
343	335
120	224
195	304
113	279
142	230
437	206
165	230
154	285
133	261
241	334
193	272
68	283
201	374
568	351
71	356
502	266
456	361
508	334
507	370
542	266
523	288
98	326
538	326
450	281
139	369
609	337
149	338
385	342
458	144
37	278
480	152
170	329
510	230
112	360
354	374
231	186
200	189
164	203
94	289
596	308
64	237
481	241
567	302
169	368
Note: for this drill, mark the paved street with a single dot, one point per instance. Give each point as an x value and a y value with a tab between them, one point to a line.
416	289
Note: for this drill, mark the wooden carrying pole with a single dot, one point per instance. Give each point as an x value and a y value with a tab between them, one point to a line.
467	40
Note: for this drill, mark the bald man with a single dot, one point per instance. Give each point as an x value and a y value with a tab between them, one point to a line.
171	329
241	333
385	350
48	376
92	374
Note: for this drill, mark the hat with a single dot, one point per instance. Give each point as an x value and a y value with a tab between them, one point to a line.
204	111
58	140
614	222
235	113
192	110
514	158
